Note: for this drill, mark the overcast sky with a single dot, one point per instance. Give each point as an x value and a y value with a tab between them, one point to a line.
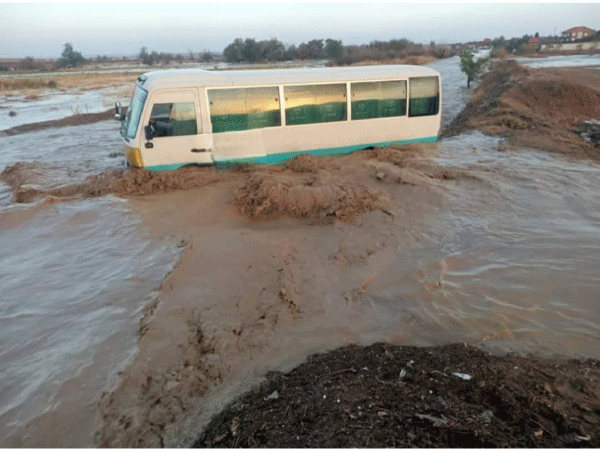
40	30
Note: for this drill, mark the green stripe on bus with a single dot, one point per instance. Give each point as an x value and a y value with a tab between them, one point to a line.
279	158
165	167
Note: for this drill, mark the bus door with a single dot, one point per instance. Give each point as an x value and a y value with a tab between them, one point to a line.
173	131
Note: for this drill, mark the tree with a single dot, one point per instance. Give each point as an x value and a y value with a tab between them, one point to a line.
251	50
272	50
28	63
207	56
145	56
471	67
70	57
333	48
233	52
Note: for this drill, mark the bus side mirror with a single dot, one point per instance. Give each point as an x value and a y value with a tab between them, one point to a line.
119	113
148	132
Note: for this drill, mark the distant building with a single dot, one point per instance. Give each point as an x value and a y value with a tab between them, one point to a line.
534	40
486	42
576	33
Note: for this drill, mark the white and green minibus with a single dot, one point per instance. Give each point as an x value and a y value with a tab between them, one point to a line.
191	116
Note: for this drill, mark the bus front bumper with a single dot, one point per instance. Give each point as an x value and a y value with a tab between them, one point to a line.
133	156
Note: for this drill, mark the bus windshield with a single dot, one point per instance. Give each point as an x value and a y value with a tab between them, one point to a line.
134	112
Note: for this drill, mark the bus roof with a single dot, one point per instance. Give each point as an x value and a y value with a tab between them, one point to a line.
206	78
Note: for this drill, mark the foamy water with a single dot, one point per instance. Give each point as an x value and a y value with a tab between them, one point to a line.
510	259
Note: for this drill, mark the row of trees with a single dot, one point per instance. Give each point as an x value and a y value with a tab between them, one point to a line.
165	58
250	50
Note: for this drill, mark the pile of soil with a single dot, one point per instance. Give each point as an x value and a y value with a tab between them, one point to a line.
74	120
534	108
385	395
321	198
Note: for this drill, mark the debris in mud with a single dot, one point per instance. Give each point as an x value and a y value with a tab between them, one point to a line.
322	197
534	108
590	131
356	397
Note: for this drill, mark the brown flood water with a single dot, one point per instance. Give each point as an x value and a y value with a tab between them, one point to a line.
467	240
502	254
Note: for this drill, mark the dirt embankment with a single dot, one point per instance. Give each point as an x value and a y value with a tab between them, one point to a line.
322	190
536	108
402	396
74	120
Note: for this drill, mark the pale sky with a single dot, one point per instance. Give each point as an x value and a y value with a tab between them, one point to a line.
41	29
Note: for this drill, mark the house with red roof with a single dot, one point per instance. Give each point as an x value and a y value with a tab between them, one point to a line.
576	33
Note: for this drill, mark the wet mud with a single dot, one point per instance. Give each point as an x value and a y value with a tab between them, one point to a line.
126	182
402	396
322	190
534	108
74	120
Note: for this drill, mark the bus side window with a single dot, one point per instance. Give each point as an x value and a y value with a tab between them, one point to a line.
378	99
244	108
316	103
173	119
424	96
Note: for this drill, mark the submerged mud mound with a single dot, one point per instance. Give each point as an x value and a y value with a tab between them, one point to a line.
74	120
321	198
531	107
132	182
385	395
20	174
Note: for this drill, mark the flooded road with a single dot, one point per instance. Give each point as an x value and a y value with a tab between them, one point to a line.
505	258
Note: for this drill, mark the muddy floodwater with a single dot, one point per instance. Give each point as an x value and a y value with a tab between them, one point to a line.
503	254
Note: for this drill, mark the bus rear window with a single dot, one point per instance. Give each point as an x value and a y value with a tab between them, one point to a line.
243	109
424	96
